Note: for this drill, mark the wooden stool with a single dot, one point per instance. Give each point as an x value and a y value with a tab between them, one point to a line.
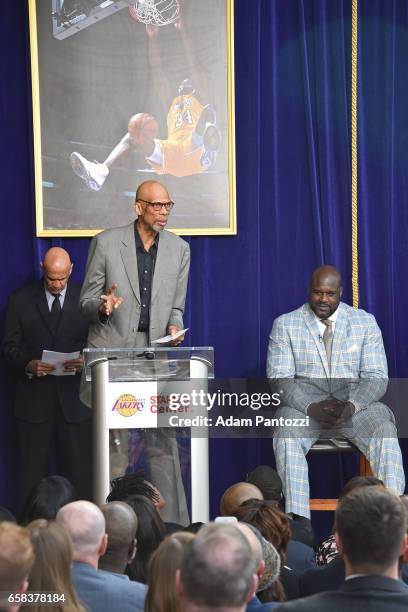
336	445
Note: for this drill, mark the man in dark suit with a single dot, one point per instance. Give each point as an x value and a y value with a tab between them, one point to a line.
44	316
371	537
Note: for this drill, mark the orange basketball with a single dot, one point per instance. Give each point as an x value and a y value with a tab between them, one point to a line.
143	128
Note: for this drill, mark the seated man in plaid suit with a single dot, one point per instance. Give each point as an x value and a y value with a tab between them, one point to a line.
329	363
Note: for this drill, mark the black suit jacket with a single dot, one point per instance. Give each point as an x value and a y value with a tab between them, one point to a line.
28	332
367	593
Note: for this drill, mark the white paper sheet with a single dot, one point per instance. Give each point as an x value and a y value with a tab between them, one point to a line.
57	360
167	339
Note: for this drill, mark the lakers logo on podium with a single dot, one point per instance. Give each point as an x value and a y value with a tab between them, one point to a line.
127	405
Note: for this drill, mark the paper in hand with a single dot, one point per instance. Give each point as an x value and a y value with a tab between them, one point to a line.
169	338
58	360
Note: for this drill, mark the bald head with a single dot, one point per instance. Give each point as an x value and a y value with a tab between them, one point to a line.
56	269
121	527
326	273
147	188
218	570
325	291
85	524
236	495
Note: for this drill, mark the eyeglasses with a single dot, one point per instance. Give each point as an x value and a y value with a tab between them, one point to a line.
158	205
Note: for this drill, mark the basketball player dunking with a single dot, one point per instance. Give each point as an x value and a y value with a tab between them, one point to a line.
193	139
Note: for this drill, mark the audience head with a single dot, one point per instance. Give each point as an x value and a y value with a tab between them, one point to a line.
358	482
150	532
271	561
121	527
165	561
217	570
235	495
371	531
268	482
274	527
53	559
16	558
85	524
271	522
47	497
134	484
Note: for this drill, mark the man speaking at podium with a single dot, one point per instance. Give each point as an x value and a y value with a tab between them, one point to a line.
135	289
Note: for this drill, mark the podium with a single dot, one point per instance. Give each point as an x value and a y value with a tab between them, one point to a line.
155	390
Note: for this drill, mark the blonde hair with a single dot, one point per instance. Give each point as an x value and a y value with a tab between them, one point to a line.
52	567
161	595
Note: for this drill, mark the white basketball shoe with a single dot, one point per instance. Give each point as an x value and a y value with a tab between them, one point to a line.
92	173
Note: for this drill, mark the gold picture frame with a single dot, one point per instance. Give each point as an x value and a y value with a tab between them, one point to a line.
91	73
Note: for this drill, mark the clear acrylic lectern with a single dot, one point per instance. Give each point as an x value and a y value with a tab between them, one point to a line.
154	392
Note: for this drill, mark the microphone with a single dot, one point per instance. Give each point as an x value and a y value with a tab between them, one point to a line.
146	354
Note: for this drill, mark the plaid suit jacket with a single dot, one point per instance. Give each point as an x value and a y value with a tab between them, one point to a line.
297	359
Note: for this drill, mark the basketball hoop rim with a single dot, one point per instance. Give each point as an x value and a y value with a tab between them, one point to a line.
155	12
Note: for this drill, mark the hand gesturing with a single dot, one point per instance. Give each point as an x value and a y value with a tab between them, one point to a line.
109	301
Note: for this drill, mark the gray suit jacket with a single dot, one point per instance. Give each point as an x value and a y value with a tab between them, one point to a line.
112	259
297	358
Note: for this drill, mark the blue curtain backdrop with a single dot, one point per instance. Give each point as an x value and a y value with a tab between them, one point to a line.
293	171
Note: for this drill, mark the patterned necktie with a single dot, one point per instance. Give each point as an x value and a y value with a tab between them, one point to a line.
328	338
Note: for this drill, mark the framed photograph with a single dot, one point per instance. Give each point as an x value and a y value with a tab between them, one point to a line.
127	91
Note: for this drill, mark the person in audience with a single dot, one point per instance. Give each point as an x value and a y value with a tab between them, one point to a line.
269	483
133	484
121	527
331	575
165	561
98	590
136	484
218	571
404	559
254	539
52	567
274	526
371	536
270	575
16	561
235	495
46	498
150	532
328	361
327	550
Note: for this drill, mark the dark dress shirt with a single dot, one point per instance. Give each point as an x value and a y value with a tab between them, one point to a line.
145	266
